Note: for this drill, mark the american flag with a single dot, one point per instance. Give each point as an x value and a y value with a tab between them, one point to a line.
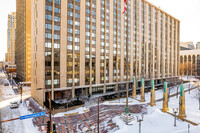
125	5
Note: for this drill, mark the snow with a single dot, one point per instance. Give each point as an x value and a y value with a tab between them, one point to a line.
17	126
191	78
158	122
79	110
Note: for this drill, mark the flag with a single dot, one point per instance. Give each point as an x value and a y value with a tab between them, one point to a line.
125	5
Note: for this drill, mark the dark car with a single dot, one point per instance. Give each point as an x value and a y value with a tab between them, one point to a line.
6	84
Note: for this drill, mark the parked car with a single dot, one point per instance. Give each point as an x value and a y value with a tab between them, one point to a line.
6	84
13	105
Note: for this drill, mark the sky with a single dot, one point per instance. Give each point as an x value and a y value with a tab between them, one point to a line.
6	7
187	11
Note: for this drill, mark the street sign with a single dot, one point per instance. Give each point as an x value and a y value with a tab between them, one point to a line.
32	115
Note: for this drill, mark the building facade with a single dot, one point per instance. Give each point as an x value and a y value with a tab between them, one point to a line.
11	38
23	42
80	47
191	62
187	45
198	45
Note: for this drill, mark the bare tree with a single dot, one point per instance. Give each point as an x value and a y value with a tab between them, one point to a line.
187	68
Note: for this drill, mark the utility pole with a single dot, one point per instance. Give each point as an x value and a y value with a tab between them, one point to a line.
127	57
21	92
49	94
12	80
98	115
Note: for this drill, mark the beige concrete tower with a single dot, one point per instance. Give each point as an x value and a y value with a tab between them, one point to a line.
142	95
165	98
182	114
134	88
152	102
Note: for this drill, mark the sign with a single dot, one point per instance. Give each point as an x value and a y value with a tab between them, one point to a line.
32	115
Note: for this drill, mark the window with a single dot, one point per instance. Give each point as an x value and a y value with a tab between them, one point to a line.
77	31
77	7
56	36
47	44
48	17
69	30
56	81
48	82
69	47
48	26
57	10
56	19
69	22
69	38
76	39
49	8
70	14
56	45
48	35
57	1
70	5
77	23
56	27
77	15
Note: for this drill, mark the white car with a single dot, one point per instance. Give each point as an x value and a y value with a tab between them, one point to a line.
13	105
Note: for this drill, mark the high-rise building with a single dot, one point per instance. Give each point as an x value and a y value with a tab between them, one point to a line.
80	47
23	42
198	45
11	38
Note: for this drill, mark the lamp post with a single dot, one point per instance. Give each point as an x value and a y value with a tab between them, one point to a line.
19	86
139	120
188	128
12	80
175	111
49	94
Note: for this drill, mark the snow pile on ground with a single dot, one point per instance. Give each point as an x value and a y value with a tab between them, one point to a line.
155	121
79	110
189	78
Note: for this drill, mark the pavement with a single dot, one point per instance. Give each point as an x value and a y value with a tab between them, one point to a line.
76	123
7	95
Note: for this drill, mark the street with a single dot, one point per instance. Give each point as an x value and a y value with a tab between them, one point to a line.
7	95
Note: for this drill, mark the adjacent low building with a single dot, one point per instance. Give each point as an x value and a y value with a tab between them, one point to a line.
80	47
190	62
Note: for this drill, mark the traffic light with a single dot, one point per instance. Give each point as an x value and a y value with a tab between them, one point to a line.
48	126
54	128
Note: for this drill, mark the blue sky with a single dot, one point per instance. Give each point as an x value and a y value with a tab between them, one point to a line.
187	11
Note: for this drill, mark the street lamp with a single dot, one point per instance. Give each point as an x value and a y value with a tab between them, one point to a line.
49	94
175	111
140	120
